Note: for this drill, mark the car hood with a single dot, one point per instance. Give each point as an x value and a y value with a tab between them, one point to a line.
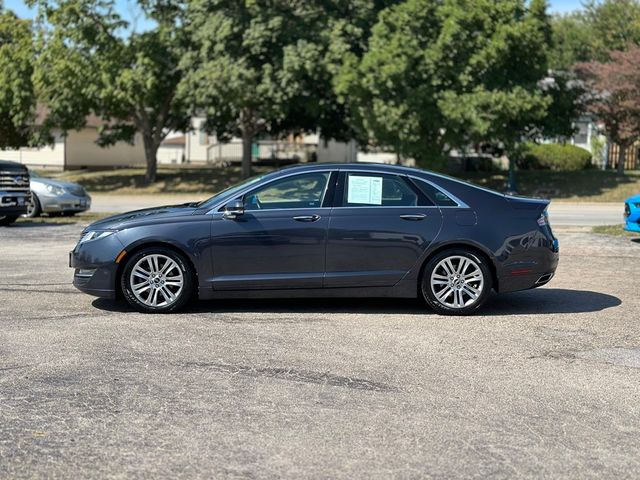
634	199
56	183
7	166
147	215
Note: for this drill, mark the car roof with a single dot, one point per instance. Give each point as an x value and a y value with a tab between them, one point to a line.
355	166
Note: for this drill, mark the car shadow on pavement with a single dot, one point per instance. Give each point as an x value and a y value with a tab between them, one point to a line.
543	300
549	300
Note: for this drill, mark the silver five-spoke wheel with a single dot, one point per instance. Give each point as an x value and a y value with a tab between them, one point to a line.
457	281
156	280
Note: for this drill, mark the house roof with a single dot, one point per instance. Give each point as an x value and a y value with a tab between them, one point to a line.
92	120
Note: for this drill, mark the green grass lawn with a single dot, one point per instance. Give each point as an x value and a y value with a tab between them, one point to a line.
581	186
616	230
170	180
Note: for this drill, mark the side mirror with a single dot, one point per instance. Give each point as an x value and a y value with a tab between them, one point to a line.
234	209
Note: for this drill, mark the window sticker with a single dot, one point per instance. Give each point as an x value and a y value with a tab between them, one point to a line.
367	190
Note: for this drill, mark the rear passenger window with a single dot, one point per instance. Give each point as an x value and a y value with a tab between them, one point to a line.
372	189
440	198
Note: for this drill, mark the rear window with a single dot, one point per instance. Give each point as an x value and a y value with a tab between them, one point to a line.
437	196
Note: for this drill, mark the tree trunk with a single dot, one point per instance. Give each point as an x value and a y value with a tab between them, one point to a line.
512	185
150	155
247	140
622	156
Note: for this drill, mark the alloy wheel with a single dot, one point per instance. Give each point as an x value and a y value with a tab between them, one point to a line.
156	280
457	282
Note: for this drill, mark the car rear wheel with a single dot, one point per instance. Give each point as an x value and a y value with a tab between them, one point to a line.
33	208
456	282
157	280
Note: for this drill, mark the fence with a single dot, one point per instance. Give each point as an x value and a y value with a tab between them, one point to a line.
631	161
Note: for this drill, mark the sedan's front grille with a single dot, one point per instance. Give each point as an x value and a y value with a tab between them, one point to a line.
76	190
14	181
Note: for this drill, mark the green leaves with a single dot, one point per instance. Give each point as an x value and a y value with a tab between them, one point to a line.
443	74
17	96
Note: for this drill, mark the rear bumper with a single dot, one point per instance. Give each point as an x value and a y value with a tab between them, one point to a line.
531	269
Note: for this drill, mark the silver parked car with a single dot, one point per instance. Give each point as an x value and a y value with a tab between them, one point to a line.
56	198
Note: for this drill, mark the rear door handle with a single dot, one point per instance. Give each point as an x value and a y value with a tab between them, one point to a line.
413	218
307	218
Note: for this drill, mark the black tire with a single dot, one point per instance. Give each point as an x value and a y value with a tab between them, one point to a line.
7	219
440	306
35	207
183	297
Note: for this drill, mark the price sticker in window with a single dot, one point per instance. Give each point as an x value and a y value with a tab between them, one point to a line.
365	190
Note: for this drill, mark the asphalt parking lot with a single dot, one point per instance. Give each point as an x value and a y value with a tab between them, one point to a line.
542	384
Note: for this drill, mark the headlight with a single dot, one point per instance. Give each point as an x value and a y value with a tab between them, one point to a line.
637	205
95	235
55	190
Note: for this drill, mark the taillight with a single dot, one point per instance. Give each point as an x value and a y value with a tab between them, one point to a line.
543	219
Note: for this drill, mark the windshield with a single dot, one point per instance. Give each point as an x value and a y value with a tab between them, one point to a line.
229	192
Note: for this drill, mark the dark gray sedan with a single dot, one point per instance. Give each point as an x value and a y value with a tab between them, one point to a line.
347	230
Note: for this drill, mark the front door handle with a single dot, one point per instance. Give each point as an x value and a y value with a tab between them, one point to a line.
307	218
413	218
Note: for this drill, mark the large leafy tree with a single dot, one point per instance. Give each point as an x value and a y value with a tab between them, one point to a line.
267	67
441	74
93	61
17	96
614	87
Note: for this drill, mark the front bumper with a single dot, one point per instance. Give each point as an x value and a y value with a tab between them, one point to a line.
95	271
14	203
64	203
632	217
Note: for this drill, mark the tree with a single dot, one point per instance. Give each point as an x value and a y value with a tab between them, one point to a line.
614	24
17	96
446	74
614	87
92	62
265	67
572	41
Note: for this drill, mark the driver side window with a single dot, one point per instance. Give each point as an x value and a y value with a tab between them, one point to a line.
299	191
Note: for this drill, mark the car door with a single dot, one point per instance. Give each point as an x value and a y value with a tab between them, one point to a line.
280	239
380	226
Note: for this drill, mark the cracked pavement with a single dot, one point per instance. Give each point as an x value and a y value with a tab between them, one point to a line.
541	384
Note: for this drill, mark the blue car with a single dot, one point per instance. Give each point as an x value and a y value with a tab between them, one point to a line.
632	214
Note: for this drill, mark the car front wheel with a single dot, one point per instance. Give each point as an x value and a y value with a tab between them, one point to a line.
157	280
33	209
456	282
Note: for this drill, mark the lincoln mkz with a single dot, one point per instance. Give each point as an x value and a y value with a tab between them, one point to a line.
321	230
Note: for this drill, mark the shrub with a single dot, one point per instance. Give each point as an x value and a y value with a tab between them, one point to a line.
554	156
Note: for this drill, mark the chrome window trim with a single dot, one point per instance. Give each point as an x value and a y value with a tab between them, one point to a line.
460	203
405	172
